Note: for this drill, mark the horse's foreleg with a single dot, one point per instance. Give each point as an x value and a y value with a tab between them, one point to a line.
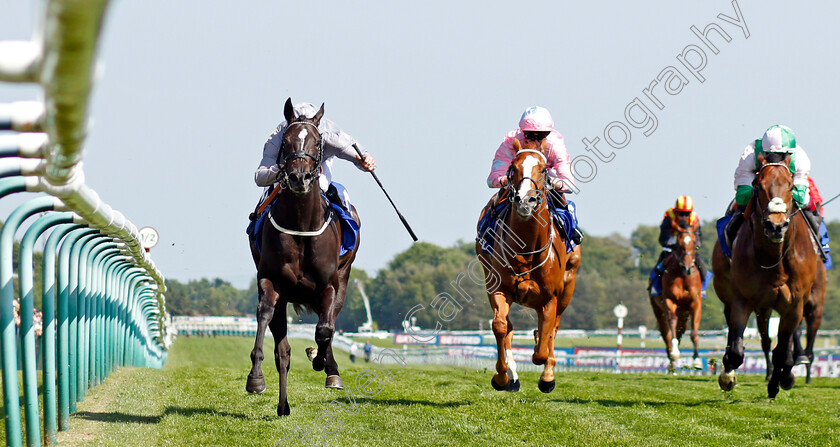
268	299
325	329
739	314
762	320
282	358
783	353
501	309
544	350
674	346
513	376
696	311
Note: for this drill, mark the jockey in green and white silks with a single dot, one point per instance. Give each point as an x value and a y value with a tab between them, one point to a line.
777	138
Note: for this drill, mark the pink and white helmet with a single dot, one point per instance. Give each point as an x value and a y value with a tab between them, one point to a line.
536	119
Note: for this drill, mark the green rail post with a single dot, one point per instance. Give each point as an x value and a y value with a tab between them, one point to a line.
68	271
27	334
25	282
8	338
97	256
52	256
78	260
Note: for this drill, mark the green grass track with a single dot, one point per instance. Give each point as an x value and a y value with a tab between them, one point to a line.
199	399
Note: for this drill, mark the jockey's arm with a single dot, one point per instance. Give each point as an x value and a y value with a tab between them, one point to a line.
340	144
268	172
665	232
802	169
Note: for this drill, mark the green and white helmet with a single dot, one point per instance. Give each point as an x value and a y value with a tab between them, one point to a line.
778	138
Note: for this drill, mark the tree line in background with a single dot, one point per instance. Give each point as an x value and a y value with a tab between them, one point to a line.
614	269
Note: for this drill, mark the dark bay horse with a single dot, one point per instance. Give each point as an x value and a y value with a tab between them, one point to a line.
774	266
299	262
680	298
529	258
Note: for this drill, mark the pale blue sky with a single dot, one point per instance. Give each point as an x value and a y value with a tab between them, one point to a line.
191	90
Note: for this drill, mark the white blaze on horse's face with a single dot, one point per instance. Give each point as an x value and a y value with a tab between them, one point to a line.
302	137
527	188
687	239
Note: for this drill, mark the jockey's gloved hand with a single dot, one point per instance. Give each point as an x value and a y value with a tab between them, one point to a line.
557	184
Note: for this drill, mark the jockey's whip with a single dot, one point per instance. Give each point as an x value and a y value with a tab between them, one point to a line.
829	200
404	222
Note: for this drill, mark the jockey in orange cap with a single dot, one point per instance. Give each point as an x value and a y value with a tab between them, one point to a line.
683	211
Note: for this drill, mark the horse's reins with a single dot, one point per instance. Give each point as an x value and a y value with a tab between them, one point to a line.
315	173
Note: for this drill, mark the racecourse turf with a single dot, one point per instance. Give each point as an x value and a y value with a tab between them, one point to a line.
199	399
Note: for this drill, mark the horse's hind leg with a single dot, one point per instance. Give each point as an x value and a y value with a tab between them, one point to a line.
282	358
739	313
813	321
762	320
501	308
268	298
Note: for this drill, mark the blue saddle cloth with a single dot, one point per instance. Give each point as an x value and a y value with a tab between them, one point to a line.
349	226
565	220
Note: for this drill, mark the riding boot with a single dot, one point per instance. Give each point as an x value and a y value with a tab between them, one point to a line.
733	225
655	280
814	220
332	196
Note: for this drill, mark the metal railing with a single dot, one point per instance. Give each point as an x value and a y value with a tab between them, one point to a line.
103	298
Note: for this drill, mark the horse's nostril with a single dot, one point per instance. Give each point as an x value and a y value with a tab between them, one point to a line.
307	177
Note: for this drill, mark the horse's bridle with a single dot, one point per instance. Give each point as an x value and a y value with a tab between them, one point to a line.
315	172
680	259
541	190
765	216
541	187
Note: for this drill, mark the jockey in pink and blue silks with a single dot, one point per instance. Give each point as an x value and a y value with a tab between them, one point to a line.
537	125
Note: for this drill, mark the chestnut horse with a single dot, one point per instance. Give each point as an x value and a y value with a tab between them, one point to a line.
680	298
774	266
299	262
529	260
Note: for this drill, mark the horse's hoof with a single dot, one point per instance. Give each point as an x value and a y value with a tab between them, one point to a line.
284	410
311	352
255	385
697	364
496	386
513	386
334	382
727	380
802	360
787	381
772	389
546	387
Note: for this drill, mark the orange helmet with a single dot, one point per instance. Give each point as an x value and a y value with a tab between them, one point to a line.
684	203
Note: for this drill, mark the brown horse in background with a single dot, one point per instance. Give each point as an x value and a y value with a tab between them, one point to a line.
680	298
774	266
299	262
529	260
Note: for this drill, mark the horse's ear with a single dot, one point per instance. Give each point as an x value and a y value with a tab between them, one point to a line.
760	159
517	145
289	111
318	115
787	159
542	145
